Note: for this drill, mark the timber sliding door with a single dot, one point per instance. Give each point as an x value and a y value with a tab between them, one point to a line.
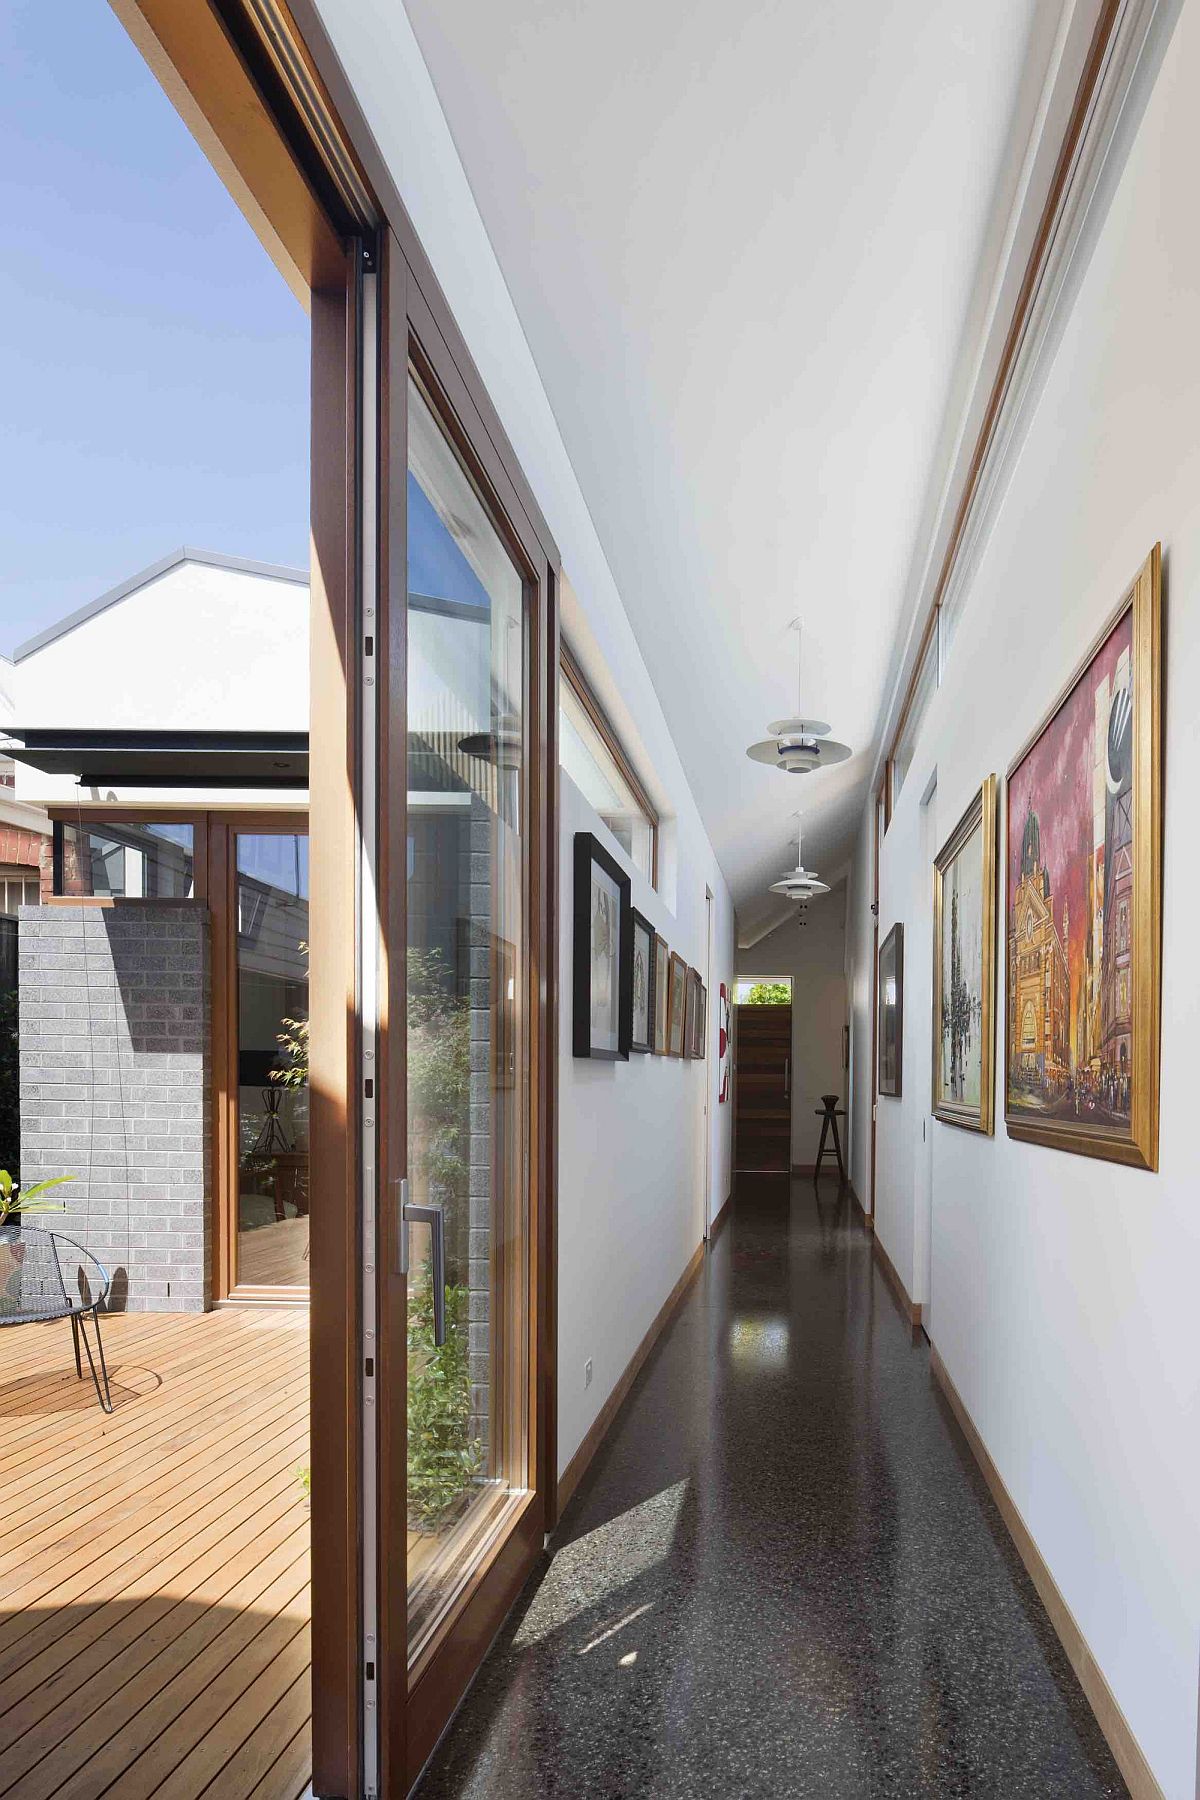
431	916
465	860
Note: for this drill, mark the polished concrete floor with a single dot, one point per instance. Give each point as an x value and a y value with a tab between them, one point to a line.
782	1574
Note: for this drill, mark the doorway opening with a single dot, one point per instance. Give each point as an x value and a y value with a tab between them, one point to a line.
762	1122
155	1631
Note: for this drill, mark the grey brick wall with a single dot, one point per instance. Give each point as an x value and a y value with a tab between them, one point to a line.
116	1089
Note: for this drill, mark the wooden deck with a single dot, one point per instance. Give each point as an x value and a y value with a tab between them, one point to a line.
154	1602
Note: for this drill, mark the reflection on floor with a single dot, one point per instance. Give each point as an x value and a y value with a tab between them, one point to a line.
154	1599
274	1255
783	1575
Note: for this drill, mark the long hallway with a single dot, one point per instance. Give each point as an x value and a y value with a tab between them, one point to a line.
783	1574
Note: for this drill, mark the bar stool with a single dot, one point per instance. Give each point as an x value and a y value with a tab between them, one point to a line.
829	1112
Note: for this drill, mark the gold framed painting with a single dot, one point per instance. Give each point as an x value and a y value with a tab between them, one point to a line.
964	968
1083	899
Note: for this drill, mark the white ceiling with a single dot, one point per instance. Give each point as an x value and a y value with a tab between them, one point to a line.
745	246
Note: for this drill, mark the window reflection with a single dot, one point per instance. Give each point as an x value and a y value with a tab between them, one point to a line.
272	1058
762	1342
148	861
467	1397
599	777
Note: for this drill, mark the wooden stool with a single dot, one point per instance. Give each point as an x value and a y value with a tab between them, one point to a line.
829	1113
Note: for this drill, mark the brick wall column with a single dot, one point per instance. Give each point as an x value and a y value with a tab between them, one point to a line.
116	1089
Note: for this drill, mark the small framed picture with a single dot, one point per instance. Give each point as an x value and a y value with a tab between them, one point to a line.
676	1005
662	988
641	986
697	1010
602	1010
891	1011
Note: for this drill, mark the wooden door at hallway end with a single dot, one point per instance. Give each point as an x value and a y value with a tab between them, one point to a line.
763	1108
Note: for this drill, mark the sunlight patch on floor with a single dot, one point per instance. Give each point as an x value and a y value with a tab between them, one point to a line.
592	1568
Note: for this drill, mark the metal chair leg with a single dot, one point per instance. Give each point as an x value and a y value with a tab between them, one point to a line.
75	1342
103	1395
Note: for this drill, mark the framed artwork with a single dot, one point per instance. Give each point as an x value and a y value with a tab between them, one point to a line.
964	968
891	1011
661	995
676	1005
724	1021
697	1005
641	983
1083	900
602	999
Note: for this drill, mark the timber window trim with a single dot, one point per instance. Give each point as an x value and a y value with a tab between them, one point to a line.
1105	35
583	692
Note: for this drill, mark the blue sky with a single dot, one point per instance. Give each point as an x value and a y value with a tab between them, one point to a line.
155	366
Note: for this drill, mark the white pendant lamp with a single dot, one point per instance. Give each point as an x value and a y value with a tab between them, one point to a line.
800	883
801	745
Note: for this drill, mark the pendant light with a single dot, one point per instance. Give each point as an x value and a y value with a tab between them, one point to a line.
801	745
800	883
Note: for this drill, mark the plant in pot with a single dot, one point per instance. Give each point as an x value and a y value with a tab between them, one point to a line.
15	1201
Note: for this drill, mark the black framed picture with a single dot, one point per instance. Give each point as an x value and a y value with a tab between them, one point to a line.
641	982
891	1011
603	969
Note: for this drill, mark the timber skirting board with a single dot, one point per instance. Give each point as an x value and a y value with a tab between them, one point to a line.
865	1219
1127	1752
722	1217
573	1474
910	1308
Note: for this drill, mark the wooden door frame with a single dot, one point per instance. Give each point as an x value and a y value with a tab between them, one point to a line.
208	56
736	1010
263	149
213	886
223	825
412	1716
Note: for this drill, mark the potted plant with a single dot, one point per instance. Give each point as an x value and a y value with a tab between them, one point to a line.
16	1201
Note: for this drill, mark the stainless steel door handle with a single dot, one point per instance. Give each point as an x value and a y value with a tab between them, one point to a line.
435	1218
787	1077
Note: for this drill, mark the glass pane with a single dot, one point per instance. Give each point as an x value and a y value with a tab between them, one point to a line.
147	861
272	1059
597	774
467	1101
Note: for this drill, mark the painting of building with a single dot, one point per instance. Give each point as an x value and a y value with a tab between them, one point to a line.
964	985
1070	896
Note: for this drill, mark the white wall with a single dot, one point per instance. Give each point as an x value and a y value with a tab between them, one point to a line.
200	646
375	43
1065	1288
814	955
631	1203
860	941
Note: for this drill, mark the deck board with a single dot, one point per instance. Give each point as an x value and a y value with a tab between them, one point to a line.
154	1599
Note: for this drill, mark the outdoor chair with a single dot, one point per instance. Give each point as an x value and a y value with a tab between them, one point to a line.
44	1276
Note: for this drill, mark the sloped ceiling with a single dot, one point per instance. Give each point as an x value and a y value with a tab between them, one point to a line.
743	244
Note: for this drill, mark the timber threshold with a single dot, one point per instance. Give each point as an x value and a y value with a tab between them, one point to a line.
154	1597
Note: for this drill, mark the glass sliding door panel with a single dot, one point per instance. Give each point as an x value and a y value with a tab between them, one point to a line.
271	908
468	1397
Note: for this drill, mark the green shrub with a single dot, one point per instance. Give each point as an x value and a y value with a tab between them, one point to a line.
769	993
443	1457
